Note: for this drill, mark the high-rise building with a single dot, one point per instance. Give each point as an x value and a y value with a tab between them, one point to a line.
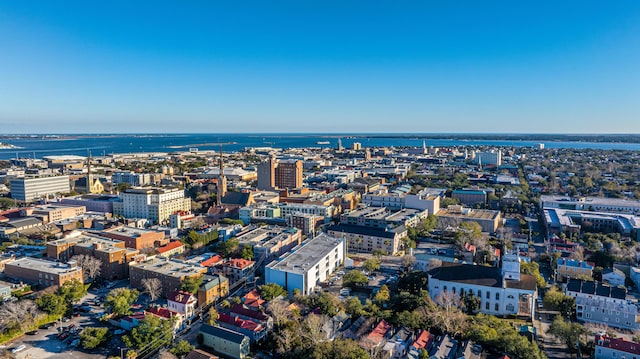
154	204
492	158
289	174
267	174
28	189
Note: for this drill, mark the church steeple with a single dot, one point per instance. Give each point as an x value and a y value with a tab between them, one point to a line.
222	181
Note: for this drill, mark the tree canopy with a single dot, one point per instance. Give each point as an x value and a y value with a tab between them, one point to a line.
119	300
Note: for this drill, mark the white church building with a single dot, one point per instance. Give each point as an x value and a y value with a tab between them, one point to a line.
502	291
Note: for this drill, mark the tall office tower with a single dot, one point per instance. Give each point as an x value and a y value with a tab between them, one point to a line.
29	189
289	174
267	174
222	180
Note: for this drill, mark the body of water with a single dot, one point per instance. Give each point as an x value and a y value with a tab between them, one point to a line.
108	144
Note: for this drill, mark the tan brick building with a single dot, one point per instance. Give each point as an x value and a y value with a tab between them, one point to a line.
213	287
42	272
171	273
136	238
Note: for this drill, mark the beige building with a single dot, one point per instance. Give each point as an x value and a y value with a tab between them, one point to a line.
52	212
453	216
367	239
42	272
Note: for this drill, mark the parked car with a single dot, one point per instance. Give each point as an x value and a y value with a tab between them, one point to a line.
46	326
19	348
32	332
119	332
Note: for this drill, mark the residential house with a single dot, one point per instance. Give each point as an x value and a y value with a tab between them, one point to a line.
423	341
179	320
213	287
225	341
571	268
182	302
237	269
251	328
377	338
171	249
445	348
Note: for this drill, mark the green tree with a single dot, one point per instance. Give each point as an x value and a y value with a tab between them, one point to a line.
191	284
383	295
533	269
52	304
119	300
271	290
213	316
378	253
469	231
181	348
414	282
247	252
228	247
354	278
569	332
371	264
353	307
72	291
556	300
92	337
152	330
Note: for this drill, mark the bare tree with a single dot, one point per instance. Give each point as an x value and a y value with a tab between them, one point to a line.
153	287
285	339
19	314
448	314
577	254
279	310
91	266
408	261
313	328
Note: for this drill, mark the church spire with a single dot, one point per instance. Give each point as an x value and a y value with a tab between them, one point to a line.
222	180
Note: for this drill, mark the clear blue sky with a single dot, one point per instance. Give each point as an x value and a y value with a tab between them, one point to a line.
320	66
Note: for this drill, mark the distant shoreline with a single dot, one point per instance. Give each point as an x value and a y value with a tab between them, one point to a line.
609	138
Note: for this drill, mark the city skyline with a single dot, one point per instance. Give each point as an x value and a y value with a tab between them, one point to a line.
330	67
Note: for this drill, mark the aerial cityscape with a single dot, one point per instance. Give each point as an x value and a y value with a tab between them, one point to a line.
323	180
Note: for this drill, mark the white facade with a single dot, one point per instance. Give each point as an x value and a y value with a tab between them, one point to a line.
132	178
154	204
307	265
29	189
183	303
489	158
384	199
602	304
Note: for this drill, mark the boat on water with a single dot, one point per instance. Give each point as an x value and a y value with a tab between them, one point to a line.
323	143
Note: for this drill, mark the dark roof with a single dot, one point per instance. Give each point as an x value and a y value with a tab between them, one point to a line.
255	314
368	231
597	288
223	333
239	198
200	354
480	275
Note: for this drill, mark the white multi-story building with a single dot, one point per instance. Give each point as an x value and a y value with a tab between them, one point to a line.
493	158
502	291
308	264
602	304
154	204
28	189
592	204
183	303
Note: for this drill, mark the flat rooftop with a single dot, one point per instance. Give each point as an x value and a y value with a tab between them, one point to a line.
42	265
307	254
129	231
171	268
483	214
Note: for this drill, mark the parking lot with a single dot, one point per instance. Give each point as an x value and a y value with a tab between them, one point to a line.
47	344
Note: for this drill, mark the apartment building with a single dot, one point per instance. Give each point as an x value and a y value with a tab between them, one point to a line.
136	238
132	178
43	272
602	304
309	264
367	239
270	242
236	269
154	204
170	272
213	287
615	348
30	189
571	268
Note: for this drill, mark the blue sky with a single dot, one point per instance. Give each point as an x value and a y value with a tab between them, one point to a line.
320	66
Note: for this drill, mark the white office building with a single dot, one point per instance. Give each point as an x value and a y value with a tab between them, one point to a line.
28	189
307	265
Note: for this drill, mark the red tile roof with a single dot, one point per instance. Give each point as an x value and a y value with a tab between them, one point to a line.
377	335
171	246
255	314
240	263
162	312
180	297
211	261
240	323
423	341
617	344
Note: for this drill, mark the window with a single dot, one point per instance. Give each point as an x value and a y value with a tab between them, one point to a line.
486	305
488	296
497	307
479	294
497	296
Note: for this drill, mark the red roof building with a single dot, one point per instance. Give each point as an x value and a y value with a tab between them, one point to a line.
212	261
377	335
423	341
608	347
171	249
